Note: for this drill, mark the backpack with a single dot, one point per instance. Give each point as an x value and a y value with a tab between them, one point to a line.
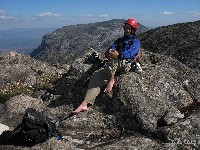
35	128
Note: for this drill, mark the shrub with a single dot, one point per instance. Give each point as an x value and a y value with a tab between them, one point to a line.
4	98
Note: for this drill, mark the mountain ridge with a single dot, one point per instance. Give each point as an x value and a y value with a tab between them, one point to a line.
69	42
181	41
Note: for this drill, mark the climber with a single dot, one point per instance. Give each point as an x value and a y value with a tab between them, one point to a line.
121	55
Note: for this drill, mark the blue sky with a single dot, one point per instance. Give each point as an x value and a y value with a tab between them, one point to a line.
59	13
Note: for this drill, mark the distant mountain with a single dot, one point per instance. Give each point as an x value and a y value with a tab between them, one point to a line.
181	41
66	44
23	40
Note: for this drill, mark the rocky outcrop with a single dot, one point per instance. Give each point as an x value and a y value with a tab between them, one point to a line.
151	110
22	74
180	41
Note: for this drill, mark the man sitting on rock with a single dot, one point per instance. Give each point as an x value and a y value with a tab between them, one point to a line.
121	55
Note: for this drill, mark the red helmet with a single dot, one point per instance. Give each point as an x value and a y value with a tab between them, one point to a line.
132	22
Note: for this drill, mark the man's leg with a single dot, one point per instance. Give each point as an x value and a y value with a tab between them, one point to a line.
110	84
96	82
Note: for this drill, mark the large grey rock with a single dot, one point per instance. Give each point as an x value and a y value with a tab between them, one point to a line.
185	133
16	107
22	74
140	102
180	41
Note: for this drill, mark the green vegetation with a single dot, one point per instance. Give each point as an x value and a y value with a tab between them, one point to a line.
4	98
39	72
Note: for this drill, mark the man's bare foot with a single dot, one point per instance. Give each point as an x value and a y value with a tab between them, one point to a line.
109	86
81	108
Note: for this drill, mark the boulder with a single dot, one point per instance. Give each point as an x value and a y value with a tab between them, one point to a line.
22	74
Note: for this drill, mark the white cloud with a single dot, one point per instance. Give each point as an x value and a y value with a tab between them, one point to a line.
192	12
4	16
2	12
49	14
167	13
103	16
89	15
195	13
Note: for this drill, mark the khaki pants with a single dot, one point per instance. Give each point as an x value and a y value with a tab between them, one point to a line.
99	78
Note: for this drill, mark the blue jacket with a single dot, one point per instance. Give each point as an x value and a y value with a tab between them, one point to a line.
128	47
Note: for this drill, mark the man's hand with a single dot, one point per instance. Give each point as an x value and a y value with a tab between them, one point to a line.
112	54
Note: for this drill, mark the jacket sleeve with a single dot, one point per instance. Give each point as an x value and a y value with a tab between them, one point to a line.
132	51
115	44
